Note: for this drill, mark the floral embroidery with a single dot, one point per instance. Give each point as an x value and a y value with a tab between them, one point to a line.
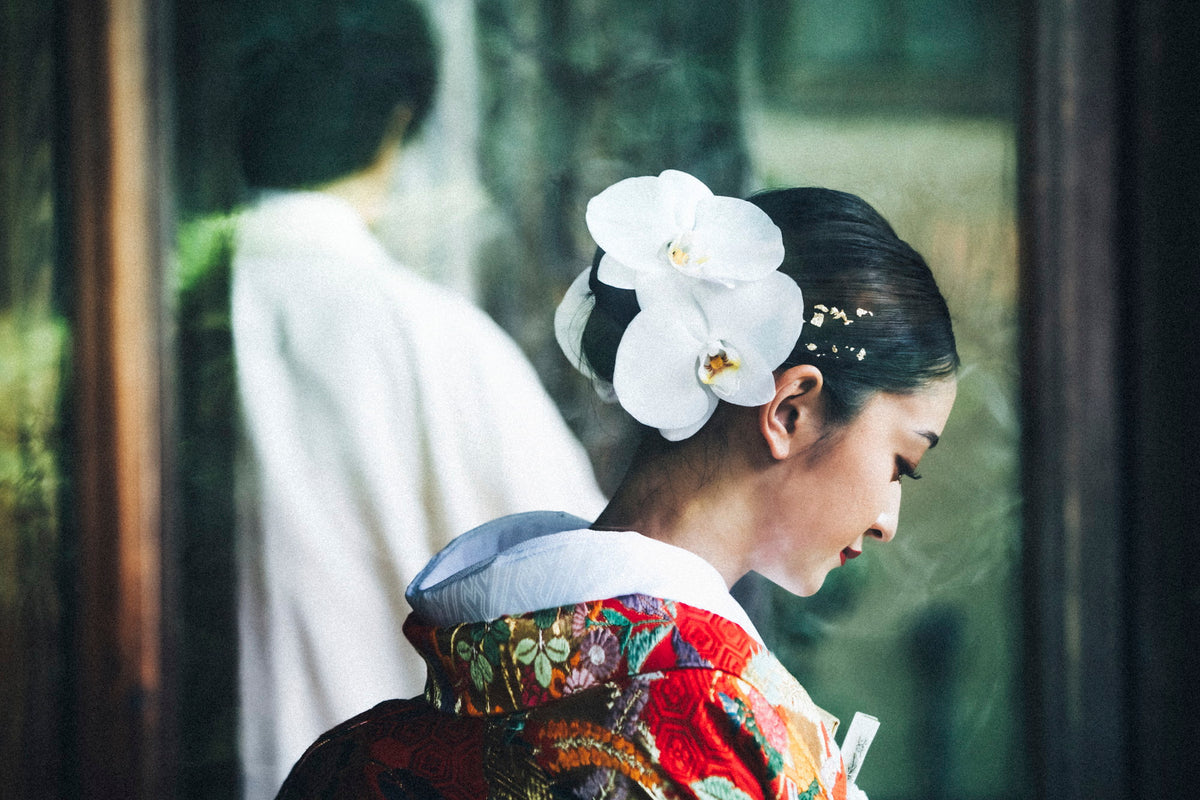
685	653
606	783
578	680
718	789
644	604
630	696
739	711
598	653
812	793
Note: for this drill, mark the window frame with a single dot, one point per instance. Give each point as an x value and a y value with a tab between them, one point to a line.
1104	152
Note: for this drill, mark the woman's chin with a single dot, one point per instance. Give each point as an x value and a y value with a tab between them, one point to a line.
799	585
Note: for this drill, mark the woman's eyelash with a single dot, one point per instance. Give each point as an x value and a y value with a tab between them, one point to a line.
906	470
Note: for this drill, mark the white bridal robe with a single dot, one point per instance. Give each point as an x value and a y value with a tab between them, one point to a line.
381	415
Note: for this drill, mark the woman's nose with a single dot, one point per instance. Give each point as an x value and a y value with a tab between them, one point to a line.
888	520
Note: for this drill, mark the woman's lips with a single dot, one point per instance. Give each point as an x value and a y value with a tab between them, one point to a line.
849	553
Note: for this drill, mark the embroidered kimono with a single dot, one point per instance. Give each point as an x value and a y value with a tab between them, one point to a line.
631	695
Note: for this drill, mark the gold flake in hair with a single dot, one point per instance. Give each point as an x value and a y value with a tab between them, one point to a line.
862	312
817	319
811	346
862	354
820	307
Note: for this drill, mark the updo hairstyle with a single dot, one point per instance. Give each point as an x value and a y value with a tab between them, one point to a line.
885	328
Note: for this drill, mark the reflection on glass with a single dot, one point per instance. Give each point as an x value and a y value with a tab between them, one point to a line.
923	633
908	103
34	344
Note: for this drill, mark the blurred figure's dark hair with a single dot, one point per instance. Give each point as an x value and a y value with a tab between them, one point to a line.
844	256
319	94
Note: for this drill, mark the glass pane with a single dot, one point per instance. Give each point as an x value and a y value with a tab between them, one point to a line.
924	633
909	103
33	347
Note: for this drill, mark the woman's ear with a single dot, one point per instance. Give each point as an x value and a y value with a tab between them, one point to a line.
791	421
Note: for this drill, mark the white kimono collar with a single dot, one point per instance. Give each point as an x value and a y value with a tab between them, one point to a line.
544	559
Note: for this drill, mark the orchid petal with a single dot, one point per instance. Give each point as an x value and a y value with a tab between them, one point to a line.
679	434
755	382
672	289
763	316
716	316
735	240
685	193
613	273
655	372
571	317
633	221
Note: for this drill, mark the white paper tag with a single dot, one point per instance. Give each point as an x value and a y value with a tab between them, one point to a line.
854	746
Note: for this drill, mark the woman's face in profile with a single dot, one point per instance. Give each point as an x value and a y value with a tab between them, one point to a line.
831	503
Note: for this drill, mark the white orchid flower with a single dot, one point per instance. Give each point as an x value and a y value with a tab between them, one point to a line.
685	351
717	317
654	228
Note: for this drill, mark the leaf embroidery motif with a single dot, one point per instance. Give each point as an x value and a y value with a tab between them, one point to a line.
718	789
813	791
642	643
482	652
542	655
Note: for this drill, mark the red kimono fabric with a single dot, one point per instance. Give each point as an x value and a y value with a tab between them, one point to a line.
626	697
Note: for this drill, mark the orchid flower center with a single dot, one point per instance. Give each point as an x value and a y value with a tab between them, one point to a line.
718	368
681	252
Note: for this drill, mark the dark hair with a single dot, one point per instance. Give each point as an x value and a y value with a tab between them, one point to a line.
844	256
319	100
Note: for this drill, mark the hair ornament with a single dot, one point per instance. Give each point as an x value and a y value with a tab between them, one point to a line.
716	316
570	318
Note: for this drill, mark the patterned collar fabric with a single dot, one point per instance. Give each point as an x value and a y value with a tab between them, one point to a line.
528	562
581	678
516	662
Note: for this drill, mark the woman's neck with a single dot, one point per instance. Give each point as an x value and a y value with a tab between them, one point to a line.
691	499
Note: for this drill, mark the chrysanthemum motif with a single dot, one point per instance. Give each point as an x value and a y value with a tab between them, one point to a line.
577	680
599	652
652	228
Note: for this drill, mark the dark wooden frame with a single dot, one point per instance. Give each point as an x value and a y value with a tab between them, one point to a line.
1110	224
120	728
1071	354
1110	233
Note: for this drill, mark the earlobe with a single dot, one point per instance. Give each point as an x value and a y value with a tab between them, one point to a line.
788	421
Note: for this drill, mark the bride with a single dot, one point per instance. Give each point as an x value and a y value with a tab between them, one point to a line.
793	361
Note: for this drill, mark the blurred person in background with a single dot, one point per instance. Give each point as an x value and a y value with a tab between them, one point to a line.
380	414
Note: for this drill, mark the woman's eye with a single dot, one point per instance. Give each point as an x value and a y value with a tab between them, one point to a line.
906	470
